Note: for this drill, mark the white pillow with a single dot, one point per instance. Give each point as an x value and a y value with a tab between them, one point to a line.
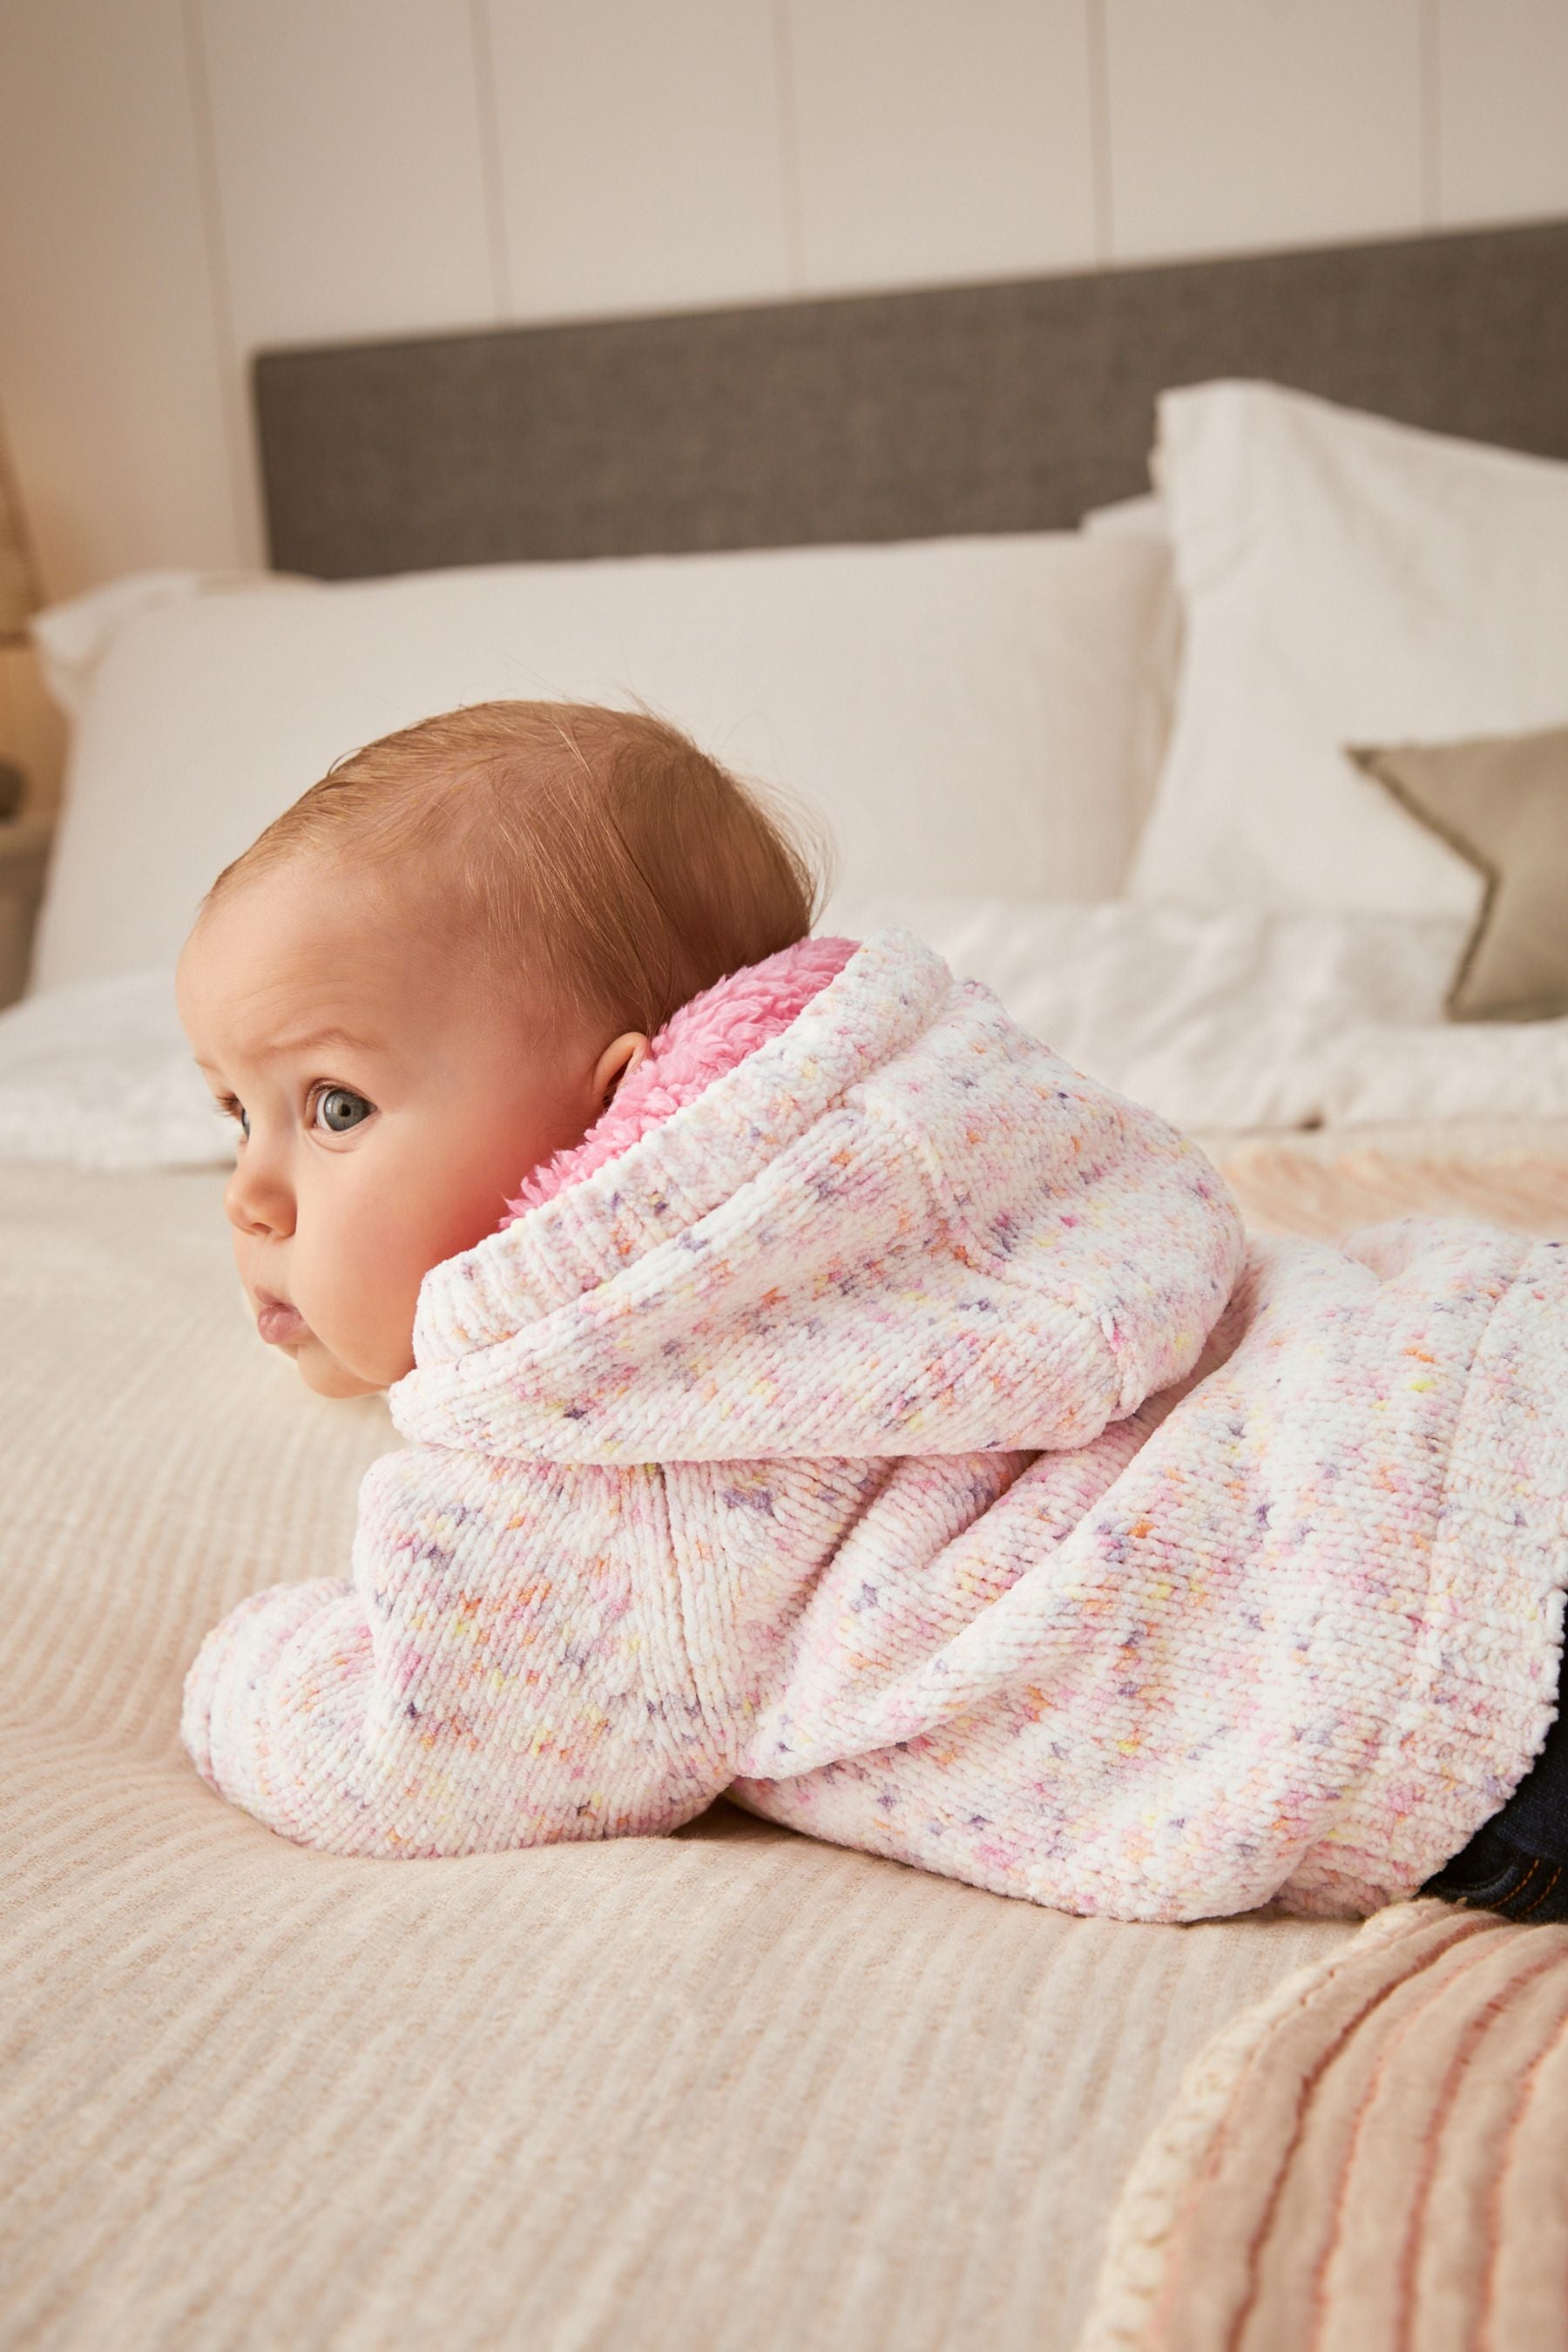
1145	521
1144	516
966	714
71	639
1343	580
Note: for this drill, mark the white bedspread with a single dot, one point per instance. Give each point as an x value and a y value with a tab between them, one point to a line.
726	2089
1246	1020
1222	1022
99	1076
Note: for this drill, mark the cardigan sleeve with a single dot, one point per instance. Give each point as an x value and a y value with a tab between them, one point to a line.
503	1668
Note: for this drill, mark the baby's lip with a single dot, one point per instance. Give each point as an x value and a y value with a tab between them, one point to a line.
277	1320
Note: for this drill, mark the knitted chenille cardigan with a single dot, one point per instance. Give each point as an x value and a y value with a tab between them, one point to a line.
885	1422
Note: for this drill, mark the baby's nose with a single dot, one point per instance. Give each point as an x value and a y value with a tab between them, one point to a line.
254	1202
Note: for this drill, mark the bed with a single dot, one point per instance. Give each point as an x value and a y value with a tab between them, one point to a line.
731	2089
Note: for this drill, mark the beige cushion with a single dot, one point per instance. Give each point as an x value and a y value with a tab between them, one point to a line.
1502	803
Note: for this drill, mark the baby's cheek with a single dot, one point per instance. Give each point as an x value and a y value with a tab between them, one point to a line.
381	1245
372	1331
350	1293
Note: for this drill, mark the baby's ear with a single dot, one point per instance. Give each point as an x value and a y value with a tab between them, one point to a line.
617	1062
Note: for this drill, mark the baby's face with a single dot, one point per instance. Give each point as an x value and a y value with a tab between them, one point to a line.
388	1107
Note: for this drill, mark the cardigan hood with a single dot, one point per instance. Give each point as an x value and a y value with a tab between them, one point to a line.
897	1226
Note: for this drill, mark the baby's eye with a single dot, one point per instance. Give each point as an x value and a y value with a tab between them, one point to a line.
230	1107
338	1109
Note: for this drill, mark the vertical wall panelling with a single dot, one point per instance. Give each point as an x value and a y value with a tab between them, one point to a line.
1248	123
1502	134
235	407
939	141
181	180
789	143
484	68
640	153
110	352
1099	133
1431	114
350	167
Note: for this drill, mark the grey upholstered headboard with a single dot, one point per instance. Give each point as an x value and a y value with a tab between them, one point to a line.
965	409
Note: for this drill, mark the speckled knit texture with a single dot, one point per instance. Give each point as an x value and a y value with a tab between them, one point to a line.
903	1432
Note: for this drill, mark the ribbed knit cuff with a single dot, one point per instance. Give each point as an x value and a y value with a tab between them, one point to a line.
1482	1690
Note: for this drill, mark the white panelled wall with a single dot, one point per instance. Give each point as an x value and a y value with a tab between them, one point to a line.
181	181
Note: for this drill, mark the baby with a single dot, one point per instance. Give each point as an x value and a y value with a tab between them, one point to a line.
815	1388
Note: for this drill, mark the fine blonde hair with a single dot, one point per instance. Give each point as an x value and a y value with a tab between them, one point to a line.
596	856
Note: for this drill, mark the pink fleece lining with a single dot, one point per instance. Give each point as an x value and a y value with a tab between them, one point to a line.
698	1044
